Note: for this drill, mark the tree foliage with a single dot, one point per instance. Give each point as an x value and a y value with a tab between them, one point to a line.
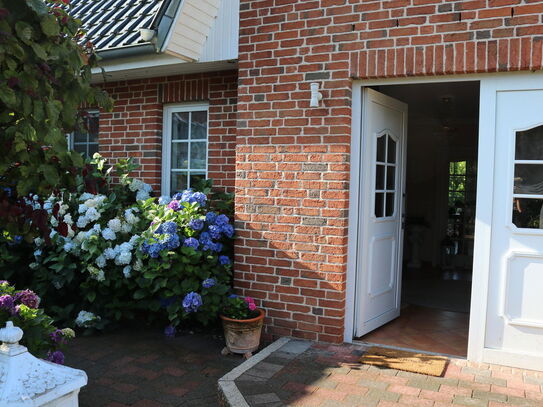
44	80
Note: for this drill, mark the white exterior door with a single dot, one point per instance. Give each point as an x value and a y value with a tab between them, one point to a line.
514	320
384	124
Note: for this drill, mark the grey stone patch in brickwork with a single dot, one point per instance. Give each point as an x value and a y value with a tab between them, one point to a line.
259	399
311	76
315	167
295	347
317	311
314	221
286	281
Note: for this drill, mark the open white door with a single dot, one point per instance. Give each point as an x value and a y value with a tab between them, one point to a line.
384	126
514	331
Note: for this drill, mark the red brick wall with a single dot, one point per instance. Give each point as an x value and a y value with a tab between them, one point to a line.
292	180
134	128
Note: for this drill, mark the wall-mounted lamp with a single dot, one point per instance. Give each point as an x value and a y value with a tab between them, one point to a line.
316	96
148	35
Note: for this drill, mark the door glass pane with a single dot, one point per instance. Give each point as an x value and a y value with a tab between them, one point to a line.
380	176
180	155
198	126
528	179
381	148
391	177
528	213
389	204
198	155
379	203
180	128
529	144
391	150
179	182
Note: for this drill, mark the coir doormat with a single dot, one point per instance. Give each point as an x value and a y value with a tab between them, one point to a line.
422	363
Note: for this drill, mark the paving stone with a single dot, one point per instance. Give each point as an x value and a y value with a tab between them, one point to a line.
259	399
376	394
468	401
486	395
424	383
491	380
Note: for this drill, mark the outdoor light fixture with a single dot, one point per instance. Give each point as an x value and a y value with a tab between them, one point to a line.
316	96
147	34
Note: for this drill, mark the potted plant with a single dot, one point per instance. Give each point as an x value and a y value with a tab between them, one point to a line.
242	322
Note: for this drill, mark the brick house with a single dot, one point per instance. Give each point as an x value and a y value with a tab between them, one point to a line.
372	140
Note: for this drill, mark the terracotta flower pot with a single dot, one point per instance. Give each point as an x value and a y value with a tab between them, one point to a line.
242	335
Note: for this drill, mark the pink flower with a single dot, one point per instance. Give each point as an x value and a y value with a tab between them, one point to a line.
249	300
252	306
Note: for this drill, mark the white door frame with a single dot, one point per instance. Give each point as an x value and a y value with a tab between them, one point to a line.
490	84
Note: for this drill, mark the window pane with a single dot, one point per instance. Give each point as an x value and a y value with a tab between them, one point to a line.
529	144
381	147
179	182
180	155
198	155
391	150
81	148
391	177
527	213
180	128
379	202
198	126
528	179
80	137
379	176
457	183
390	204
92	127
93	148
195	178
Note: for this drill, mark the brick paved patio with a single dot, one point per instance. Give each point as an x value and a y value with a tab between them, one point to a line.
145	369
304	374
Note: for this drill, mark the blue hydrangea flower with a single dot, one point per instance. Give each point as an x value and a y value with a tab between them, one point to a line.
221	220
177	197
228	230
167	227
209	282
166	302
205	241
170	331
216	247
192	302
193	197
173	242
232	296
155	249
210	217
196	224
224	260
18	239
164	200
191	242
215	232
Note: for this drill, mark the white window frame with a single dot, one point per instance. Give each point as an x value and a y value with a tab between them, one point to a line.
167	141
71	136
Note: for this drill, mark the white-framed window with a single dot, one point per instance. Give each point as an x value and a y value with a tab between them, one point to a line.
184	146
85	140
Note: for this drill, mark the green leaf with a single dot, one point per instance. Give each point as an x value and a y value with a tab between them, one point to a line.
38	6
39	51
91	296
50	173
49	25
139	294
24	31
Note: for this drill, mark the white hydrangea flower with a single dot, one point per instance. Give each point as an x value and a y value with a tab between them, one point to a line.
39	241
68	219
85	196
138	265
54	221
97	228
142	195
37	253
91	203
110	253
53	234
70	232
101	261
62	209
68	246
133	240
33	265
127	271
92	214
82	208
114	224
48	206
164	200
130	217
136	185
126	227
82	222
123	258
109	234
84	318
80	237
147	188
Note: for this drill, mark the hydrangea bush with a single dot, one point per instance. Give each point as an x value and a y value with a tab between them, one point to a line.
113	252
41	337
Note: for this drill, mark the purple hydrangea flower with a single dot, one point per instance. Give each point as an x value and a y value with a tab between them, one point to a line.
170	331
196	224
192	302
58	337
191	242
174	205
210	217
28	298
2	282
224	260
7	302
56	357
209	282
